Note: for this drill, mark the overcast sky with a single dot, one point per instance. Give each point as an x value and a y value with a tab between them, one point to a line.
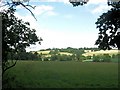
61	25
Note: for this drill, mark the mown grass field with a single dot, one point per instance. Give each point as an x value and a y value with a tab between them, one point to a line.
64	74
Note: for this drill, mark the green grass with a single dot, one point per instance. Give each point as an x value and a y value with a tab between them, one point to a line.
67	74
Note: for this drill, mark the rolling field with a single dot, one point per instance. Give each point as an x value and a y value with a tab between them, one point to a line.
110	52
48	51
100	52
66	74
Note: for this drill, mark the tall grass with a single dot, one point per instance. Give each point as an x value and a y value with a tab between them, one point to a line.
66	74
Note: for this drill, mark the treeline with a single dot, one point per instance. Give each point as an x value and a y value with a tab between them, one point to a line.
74	54
106	58
81	58
70	49
54	54
24	56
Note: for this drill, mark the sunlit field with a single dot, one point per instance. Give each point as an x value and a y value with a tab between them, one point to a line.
110	52
64	74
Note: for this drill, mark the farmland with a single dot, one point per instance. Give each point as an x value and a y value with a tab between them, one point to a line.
64	68
68	54
66	74
47	52
87	53
110	52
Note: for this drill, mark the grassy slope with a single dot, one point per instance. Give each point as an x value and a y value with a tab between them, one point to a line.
32	74
47	52
110	52
44	52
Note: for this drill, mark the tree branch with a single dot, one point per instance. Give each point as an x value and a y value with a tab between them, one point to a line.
29	9
9	67
25	6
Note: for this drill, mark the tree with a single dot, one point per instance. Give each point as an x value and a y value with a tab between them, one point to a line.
78	2
106	58
78	53
16	36
14	3
102	58
115	57
97	58
54	57
54	52
108	25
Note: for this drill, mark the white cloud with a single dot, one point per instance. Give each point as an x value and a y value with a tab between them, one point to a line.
42	9
39	9
59	39
63	39
101	8
97	1
63	1
56	38
98	6
47	10
67	1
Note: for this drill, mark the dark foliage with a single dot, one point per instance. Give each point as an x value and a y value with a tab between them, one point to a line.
108	25
16	36
15	3
102	58
77	3
23	56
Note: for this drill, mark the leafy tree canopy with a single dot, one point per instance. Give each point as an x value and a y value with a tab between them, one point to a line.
16	36
78	2
109	25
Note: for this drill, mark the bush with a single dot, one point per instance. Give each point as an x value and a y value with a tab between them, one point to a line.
102	58
106	58
96	58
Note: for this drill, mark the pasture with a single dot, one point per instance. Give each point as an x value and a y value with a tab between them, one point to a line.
48	51
64	74
110	52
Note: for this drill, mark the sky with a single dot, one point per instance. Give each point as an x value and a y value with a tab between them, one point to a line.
61	25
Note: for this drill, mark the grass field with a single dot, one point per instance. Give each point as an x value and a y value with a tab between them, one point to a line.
48	51
64	74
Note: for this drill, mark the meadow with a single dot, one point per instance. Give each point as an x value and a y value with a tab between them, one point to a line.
63	74
100	52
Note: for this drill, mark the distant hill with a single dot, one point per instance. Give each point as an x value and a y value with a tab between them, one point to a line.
84	55
70	51
47	53
110	52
